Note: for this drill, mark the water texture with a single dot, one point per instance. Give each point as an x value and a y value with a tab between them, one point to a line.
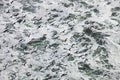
59	39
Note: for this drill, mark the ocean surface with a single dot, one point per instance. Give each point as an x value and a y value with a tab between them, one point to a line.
59	39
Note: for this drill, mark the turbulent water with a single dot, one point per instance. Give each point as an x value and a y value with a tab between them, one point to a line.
59	39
